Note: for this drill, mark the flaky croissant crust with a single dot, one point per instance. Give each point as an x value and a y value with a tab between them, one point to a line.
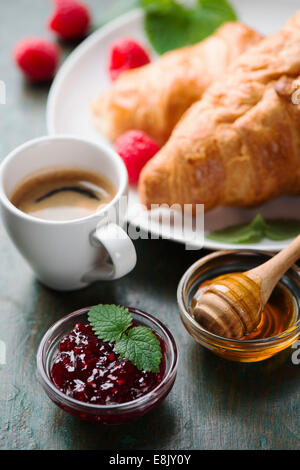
240	144
152	98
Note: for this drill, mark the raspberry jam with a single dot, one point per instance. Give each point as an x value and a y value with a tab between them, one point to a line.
90	370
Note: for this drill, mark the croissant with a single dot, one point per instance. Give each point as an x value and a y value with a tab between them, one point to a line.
240	144
152	98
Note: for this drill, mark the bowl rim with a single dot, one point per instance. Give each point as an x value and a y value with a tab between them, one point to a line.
237	342
168	377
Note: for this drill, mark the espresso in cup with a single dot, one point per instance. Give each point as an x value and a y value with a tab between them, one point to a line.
63	194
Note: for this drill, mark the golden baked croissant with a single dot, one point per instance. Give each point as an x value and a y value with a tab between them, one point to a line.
152	98
240	144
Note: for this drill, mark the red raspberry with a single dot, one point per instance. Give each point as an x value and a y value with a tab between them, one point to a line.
126	54
135	148
70	20
37	58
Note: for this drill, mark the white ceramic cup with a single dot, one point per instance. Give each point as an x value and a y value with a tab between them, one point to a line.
68	255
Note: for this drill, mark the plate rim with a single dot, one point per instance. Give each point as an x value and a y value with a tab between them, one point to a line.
133	15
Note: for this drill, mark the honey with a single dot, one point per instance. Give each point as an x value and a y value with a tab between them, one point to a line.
279	314
279	325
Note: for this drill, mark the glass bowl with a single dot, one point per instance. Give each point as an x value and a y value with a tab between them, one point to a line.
222	262
105	414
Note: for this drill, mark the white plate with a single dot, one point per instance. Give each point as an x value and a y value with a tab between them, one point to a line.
84	76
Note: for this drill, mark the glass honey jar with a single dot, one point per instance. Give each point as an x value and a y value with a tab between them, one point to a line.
279	327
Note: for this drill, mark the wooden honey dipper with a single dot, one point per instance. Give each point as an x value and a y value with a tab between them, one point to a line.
231	306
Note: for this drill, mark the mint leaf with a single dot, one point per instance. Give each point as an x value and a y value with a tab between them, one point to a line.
170	25
282	229
165	26
244	233
156	4
274	229
109	321
208	16
218	7
140	346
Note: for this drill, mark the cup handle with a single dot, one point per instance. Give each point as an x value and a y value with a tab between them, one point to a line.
120	249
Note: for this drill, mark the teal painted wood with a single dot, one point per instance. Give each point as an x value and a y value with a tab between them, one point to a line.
214	405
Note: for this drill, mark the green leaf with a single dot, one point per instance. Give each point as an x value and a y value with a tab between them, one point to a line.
164	27
209	16
244	233
170	25
140	346
282	229
109	321
219	7
274	229
156	4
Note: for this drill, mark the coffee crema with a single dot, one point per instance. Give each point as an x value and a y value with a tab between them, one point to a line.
62	193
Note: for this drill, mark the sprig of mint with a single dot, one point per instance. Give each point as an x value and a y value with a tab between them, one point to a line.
138	344
274	229
170	25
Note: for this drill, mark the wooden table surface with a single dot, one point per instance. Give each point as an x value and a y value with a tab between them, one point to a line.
214	404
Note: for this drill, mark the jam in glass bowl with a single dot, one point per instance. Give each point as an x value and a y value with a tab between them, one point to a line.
87	378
